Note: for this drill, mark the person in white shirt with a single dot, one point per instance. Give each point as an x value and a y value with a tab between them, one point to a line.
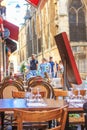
45	67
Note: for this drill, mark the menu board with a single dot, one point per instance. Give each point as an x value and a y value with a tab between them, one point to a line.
70	68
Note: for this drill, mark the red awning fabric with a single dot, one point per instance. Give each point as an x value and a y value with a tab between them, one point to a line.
11	44
14	30
34	2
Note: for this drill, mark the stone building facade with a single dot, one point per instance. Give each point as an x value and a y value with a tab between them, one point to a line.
53	17
22	44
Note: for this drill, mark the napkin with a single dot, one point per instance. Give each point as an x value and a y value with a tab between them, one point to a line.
36	104
75	100
76	105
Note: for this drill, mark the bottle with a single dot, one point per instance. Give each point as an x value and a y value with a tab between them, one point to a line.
86	86
86	83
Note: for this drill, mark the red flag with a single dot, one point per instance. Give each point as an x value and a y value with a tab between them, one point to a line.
34	2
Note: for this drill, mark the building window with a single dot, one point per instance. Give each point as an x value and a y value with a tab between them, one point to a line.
21	55
77	22
39	45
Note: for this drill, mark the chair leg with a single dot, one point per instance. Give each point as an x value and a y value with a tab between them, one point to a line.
82	127
2	120
86	121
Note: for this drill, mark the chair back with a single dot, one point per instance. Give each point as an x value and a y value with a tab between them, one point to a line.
44	86
64	93
21	94
18	94
19	79
60	93
32	79
9	78
59	114
8	87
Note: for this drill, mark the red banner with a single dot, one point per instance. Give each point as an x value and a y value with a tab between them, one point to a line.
34	2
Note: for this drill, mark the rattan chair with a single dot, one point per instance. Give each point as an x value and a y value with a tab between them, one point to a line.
72	120
85	116
41	117
12	78
19	79
32	79
44	86
6	92
7	78
8	87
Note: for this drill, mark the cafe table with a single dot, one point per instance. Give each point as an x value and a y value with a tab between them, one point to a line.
11	104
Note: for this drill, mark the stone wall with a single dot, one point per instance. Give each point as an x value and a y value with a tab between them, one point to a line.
1	61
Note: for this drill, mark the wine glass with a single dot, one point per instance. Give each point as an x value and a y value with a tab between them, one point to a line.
71	94
79	96
38	95
78	88
32	96
25	85
27	95
85	87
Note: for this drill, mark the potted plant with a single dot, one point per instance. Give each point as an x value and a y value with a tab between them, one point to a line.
23	69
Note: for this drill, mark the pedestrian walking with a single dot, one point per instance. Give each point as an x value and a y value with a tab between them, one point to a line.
56	69
45	67
33	66
52	66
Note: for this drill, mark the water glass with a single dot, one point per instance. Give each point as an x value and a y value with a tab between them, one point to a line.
79	88
32	96
38	96
27	96
25	85
79	96
71	94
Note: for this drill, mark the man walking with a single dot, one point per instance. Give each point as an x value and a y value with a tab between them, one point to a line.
33	66
52	66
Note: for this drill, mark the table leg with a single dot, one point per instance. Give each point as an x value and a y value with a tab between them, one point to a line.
2	120
86	121
67	123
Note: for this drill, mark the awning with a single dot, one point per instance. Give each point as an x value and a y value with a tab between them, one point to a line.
14	30
11	44
34	2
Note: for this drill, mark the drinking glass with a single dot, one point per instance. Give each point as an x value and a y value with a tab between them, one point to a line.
71	94
27	96
79	96
78	88
25	85
38	95
32	96
85	87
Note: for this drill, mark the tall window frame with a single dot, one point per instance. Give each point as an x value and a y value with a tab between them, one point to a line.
77	21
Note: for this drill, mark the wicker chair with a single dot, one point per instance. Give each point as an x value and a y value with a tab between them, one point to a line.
72	120
44	86
12	78
32	79
6	92
7	78
85	111
40	117
8	87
